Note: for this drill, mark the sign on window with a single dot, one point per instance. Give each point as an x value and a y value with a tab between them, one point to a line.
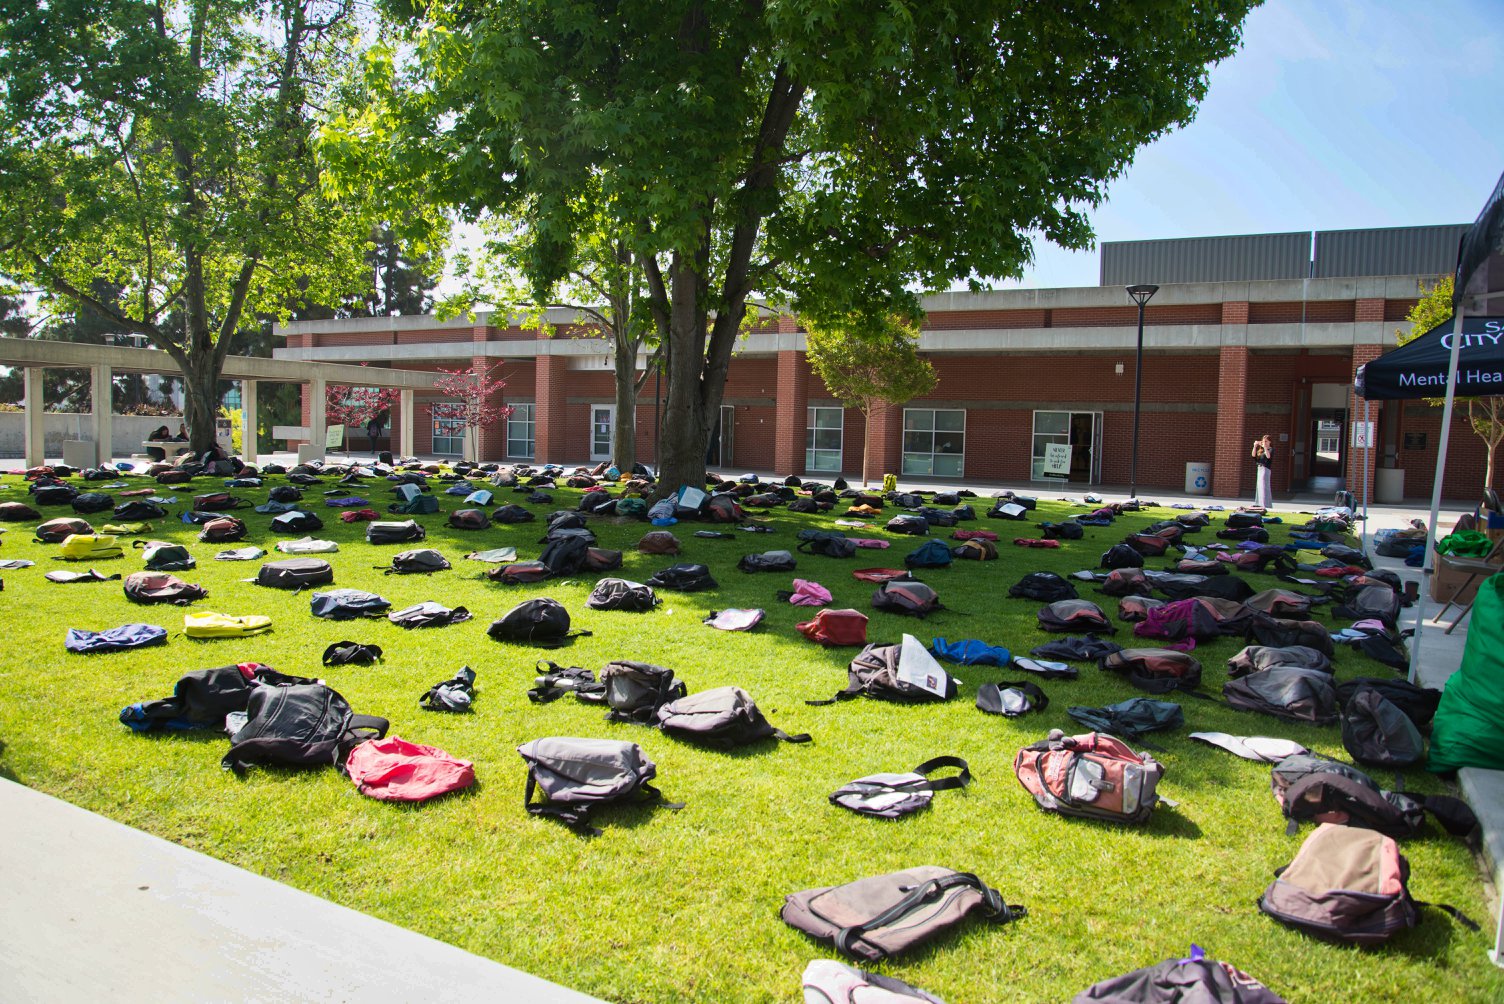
1057	458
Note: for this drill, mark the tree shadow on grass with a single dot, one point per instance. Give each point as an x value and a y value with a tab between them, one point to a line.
5	770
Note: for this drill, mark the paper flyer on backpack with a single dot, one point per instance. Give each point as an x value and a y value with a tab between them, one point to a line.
918	668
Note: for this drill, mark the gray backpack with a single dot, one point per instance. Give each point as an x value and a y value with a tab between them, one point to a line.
636	690
724	716
576	775
1257	658
1376	732
1290	692
889	796
420	560
880	916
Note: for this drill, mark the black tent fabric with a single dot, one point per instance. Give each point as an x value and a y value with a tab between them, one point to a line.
1480	257
1419	368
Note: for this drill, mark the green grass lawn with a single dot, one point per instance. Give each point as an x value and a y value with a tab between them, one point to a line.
680	906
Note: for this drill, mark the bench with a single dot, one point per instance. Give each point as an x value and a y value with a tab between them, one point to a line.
171	447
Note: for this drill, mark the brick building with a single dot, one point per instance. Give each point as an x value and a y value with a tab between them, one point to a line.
1245	336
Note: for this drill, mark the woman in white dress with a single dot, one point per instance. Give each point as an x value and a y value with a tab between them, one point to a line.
1263	470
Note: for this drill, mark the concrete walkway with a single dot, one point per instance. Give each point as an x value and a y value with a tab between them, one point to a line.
93	910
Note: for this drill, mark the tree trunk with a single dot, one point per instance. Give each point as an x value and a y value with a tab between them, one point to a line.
200	401
624	436
685	435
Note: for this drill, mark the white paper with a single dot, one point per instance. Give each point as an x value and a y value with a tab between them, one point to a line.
690	498
918	668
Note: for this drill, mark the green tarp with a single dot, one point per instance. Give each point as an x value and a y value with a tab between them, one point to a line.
1469	726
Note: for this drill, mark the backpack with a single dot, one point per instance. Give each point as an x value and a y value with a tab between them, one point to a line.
1289	692
1094	775
1281	633
420	505
1131	718
454	695
565	555
519	573
295	573
631	508
1073	615
347	604
1346	555
767	561
303	725
540	622
826	980
203	697
634	691
906	597
1121	556
222	529
1155	670
17	512
307	545
1222	587
118	639
970	652
351	653
1065	530
1348	885
913	525
1177	981
213	625
284	493
428	614
469	519
159	587
1011	699
1372	602
879	672
419	561
930	554
835	627
512	514
1418	704
1280	603
1135	609
658	542
1199	617
890	796
722	509
974	550
1047	587
217	502
1377	733
394	770
394	532
723	716
874	918
1243	520
829	544
296	521
622	594
53	494
136	510
92	502
1147	544
1256	658
577	775
683	578
89	547
1257	534
1004	509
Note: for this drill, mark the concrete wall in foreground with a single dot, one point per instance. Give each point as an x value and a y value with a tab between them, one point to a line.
127	431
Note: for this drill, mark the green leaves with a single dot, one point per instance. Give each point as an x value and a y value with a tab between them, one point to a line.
869	359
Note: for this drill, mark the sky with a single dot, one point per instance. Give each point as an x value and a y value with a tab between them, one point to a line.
1334	115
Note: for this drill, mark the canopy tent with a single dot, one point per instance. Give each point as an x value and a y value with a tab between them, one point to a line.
1419	368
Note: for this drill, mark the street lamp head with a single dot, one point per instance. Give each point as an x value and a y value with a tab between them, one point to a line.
1142	292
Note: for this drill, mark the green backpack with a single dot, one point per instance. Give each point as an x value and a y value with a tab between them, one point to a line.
634	507
418	506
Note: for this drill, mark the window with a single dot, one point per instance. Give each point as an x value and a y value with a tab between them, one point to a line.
822	442
520	431
934	442
448	436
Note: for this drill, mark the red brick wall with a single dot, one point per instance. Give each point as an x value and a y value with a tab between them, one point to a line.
1467	454
967	319
1232	422
790	416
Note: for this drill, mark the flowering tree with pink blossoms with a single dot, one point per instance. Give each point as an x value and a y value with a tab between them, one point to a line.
471	409
355	406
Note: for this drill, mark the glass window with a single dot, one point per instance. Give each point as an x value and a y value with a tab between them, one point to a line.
823	439
520	431
448	436
934	442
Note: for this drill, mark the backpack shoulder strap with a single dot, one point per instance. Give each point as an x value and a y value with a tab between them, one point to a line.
995	909
960	780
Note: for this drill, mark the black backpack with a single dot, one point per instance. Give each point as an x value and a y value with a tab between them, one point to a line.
930	554
136	509
1289	692
303	725
565	555
1334	792
394	532
92	502
296	521
347	604
1065	530
913	525
285	493
906	597
634	691
622	594
1122	556
1376	601
1073	615
351	653
1046	587
541	622
1280	633
202	698
428	614
1376	732
54	494
295	573
726	717
1418	703
418	561
511	513
874	673
685	578
767	561
826	543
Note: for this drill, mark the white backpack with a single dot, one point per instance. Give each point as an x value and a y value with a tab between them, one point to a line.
307	545
829	982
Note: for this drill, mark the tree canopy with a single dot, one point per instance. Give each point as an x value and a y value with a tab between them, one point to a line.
833	154
165	148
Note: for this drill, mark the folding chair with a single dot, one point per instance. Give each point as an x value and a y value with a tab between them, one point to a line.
1490	564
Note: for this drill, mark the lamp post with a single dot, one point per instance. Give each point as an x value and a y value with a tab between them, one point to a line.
1141	294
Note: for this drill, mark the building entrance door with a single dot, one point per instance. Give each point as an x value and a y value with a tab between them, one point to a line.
602	431
722	445
1082	431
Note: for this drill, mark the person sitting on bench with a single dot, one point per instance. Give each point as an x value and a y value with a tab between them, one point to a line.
161	435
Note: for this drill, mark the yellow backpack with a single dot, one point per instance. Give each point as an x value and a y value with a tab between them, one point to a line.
89	547
212	625
126	529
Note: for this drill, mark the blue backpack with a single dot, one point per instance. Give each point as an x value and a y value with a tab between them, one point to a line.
115	639
970	652
931	554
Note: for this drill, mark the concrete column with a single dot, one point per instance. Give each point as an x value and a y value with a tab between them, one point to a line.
317	422
36	410
1233	465
1359	480
405	437
102	391
249	447
790	413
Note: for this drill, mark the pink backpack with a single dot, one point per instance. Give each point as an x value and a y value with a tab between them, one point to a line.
809	594
395	770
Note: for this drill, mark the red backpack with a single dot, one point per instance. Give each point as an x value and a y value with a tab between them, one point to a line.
1095	775
836	627
395	770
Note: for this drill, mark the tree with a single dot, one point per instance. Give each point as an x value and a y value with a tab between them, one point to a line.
471	409
356	406
869	363
1484	414
165	147
827	154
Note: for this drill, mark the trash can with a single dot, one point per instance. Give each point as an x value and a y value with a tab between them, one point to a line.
1198	478
1389	484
